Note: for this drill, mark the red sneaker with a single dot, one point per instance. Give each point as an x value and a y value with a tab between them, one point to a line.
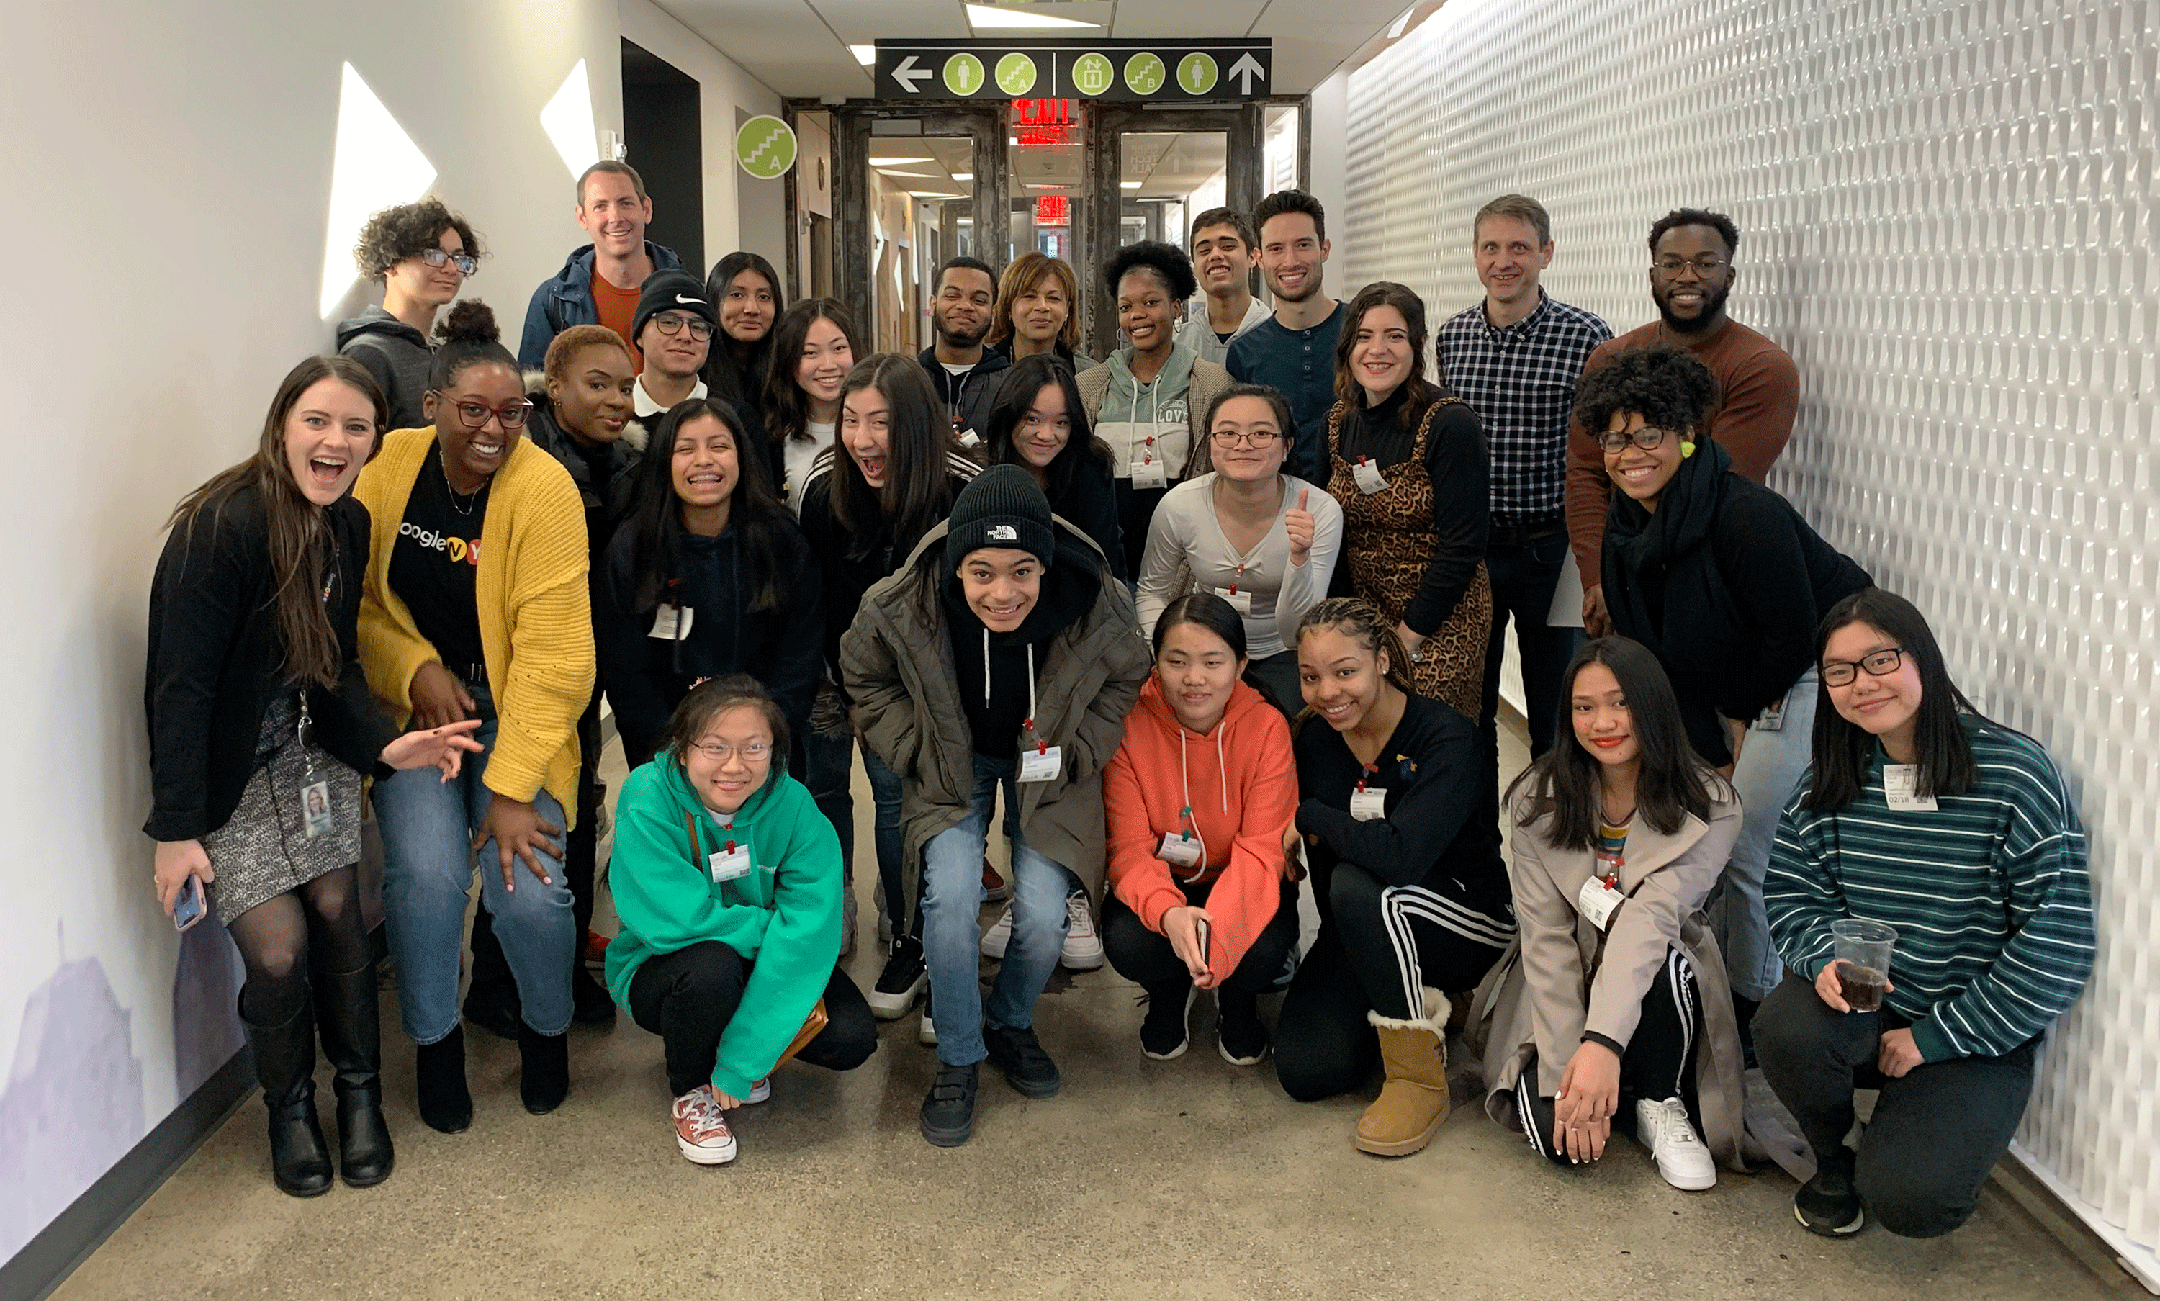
701	1128
596	951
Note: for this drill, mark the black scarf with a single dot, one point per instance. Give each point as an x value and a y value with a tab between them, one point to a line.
1642	550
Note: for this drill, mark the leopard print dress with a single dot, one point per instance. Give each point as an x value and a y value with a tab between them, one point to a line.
1388	542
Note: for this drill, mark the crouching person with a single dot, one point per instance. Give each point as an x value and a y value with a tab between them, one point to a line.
727	881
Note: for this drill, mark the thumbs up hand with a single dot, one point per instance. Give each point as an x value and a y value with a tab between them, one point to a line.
1298	523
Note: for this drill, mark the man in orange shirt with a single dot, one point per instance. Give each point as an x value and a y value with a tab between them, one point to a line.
1691	274
600	282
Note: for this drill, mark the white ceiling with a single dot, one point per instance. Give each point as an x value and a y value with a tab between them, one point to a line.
799	47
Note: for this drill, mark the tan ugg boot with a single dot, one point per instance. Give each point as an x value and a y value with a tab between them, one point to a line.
1414	1101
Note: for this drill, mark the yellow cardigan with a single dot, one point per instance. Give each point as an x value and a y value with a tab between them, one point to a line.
535	611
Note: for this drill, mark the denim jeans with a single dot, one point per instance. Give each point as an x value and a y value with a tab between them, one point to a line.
427	827
828	770
1770	766
952	898
885	792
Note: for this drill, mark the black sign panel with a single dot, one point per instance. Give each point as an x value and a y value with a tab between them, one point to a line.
1077	67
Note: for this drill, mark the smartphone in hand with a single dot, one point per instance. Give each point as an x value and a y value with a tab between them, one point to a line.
1200	932
189	908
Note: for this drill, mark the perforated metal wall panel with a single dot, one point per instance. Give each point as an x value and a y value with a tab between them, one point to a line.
1948	217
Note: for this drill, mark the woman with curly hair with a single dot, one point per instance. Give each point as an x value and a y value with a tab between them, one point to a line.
1724	583
1149	401
422	252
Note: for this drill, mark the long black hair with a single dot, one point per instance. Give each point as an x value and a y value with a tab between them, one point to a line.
733	374
786	406
1842	749
1016	394
1671	781
918	491
755	514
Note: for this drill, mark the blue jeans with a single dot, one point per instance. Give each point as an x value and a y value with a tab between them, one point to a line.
828	770
952	898
427	828
1770	766
885	793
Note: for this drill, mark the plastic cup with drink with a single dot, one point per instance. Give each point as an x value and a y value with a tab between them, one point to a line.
1861	949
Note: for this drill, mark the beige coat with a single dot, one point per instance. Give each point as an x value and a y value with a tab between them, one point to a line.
1554	984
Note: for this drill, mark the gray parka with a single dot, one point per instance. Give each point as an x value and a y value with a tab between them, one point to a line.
897	663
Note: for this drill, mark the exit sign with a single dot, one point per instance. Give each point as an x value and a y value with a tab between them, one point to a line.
1053	210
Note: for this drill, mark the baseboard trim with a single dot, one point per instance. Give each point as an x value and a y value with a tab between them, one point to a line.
47	1259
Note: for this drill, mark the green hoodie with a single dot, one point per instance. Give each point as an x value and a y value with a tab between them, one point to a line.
783	915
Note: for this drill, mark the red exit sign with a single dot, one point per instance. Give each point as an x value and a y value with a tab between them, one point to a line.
1042	112
1053	210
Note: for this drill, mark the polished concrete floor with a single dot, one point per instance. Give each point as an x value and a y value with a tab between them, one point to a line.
1185	1179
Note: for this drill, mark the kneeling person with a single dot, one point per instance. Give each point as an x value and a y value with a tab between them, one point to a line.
727	881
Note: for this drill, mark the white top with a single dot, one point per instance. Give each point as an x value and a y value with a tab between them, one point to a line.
643	402
797	454
1185	538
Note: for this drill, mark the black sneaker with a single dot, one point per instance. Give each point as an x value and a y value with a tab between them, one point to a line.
1828	1204
948	1109
1164	1032
1019	1054
903	978
1243	1039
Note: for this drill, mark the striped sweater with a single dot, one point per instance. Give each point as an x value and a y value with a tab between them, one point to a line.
1988	893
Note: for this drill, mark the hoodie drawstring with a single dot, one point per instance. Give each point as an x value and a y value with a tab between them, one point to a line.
1029	724
1222	779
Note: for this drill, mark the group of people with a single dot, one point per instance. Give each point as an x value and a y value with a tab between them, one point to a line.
1216	618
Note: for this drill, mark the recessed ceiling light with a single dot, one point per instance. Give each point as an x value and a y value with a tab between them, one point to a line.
864	54
1040	185
876	161
963	176
936	194
889	171
1128	185
999	18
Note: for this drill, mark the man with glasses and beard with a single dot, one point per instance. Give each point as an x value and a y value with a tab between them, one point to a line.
963	372
1691	274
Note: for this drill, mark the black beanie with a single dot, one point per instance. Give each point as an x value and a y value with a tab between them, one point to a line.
1001	507
672	291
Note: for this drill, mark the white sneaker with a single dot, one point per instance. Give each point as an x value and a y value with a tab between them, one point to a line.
1083	949
998	936
926	1029
701	1128
1681	1158
760	1090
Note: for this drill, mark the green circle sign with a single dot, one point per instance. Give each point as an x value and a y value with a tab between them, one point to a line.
1092	74
765	146
963	74
1016	74
1196	73
1144	73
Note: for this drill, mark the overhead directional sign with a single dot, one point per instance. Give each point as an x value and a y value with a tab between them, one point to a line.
1077	67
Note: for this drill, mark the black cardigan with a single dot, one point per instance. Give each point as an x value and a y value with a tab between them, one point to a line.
216	660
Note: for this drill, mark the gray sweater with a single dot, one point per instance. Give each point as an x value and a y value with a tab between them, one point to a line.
397	355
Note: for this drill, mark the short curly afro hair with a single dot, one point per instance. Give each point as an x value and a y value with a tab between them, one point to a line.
1665	385
1167	262
407	231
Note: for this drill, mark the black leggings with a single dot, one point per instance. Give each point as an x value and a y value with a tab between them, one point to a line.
314	925
1146	958
1379	945
1936	1131
1659	1062
688	997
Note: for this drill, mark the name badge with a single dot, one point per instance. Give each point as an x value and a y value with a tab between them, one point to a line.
671	622
1772	718
1370	804
1368	477
1147	472
315	814
1239	601
970	440
730	863
1598	901
1179	850
1040	763
1901	783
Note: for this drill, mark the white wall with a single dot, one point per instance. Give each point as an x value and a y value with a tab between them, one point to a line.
172	179
1949	217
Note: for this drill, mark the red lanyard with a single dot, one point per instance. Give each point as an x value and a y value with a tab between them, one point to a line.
1370	770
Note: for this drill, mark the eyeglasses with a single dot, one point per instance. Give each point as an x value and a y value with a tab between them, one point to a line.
1647	438
673	322
719	752
474	415
435	257
1705	267
1879	664
1245	437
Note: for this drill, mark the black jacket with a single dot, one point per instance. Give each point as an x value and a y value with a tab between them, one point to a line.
969	397
646	677
603	512
1725	584
216	660
1089	504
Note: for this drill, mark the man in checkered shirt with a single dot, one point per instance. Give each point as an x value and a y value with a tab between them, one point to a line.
1515	358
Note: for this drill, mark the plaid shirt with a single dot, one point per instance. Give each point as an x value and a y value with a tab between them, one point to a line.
1521	382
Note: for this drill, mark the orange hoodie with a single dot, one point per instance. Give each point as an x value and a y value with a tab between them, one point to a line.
1241	783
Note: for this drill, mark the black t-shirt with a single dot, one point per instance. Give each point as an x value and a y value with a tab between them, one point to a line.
433	562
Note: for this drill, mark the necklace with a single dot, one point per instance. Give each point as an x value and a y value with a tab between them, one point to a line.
470	501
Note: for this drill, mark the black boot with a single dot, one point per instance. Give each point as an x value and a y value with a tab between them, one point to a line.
445	1102
544	1074
285	1065
351	1028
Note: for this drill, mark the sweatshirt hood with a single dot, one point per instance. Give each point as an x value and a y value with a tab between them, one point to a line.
1244	702
374	320
685	798
1124	400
